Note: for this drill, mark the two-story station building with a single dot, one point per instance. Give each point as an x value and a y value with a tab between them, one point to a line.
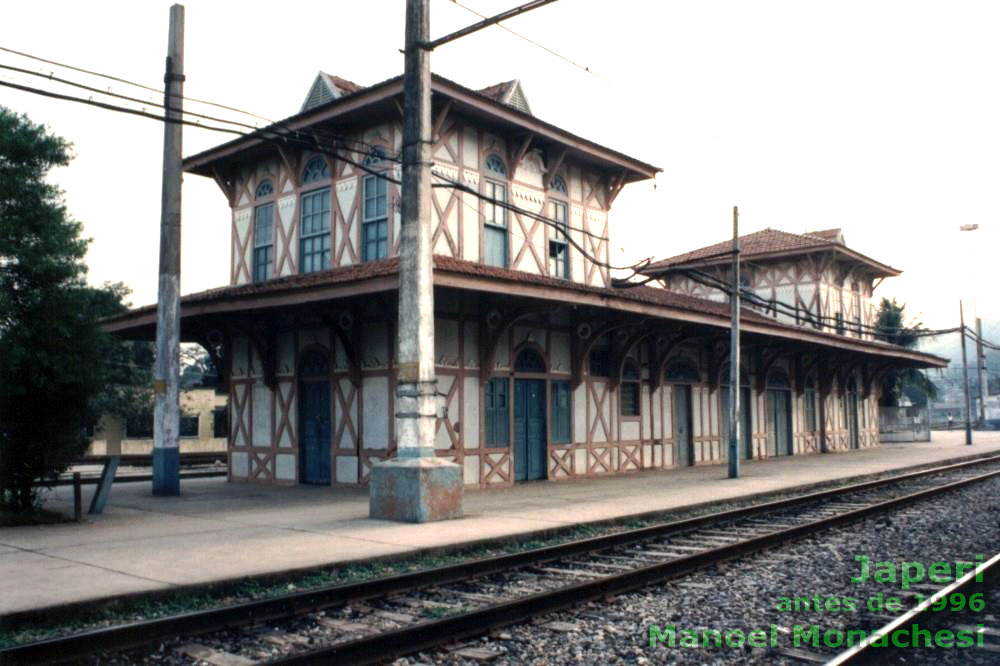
547	367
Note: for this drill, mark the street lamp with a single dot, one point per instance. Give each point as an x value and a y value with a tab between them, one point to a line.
980	365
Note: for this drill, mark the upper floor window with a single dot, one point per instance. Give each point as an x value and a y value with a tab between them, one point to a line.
314	231
558	243
375	220
495	212
263	234
559	185
374	157
316	169
630	389
264	189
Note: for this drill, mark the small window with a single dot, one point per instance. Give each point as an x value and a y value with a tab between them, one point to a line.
375	223
559	185
264	189
220	422
600	362
374	157
139	425
560	413
496	166
630	389
497	413
263	242
559	245
188	425
315	170
314	228
841	329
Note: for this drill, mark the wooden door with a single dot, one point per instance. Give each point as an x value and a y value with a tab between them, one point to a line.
682	425
852	418
779	423
314	429
529	429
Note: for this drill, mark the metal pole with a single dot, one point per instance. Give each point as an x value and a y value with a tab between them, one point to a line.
416	385
965	378
166	413
77	498
981	372
734	356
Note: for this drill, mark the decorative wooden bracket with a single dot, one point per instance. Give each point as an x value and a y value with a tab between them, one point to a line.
622	351
718	359
288	162
663	354
518	154
553	168
439	121
582	347
227	185
216	343
492	327
345	325
803	370
264	340
399	107
615	185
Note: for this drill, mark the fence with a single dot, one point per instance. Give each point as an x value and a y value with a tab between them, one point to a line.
904	424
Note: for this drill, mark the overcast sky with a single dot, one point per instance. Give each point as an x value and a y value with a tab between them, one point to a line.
882	118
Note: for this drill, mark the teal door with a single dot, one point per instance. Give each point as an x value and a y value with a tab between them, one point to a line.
779	422
314	432
682	425
852	418
529	429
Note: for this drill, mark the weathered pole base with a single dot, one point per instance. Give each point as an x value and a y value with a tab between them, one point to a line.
166	471
415	490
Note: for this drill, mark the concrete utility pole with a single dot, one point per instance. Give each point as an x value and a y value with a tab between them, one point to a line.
981	372
166	412
965	378
734	356
416	486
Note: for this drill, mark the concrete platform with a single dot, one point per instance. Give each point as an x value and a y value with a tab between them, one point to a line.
217	530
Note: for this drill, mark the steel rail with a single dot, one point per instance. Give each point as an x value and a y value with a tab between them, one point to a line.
380	647
867	652
135	634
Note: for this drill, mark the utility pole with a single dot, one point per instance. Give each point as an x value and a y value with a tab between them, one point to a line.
981	372
965	378
166	411
734	355
416	486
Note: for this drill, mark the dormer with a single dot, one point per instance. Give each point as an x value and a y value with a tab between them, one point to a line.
327	88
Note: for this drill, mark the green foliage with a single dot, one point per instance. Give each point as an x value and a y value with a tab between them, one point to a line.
892	327
52	347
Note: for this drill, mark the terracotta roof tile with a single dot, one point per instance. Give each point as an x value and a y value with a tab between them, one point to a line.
347	86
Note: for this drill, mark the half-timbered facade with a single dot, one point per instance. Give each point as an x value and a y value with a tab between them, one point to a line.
546	368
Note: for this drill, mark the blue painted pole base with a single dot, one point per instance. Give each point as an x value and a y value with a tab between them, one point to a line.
415	490
166	471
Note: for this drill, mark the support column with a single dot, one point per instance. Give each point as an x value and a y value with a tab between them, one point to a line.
416	486
166	408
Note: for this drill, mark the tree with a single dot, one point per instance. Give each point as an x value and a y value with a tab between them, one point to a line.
892	327
53	374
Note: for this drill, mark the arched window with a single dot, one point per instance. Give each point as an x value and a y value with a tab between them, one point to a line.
263	233
495	212
558	240
314	219
630	388
559	185
725	372
375	210
316	169
375	156
681	372
314	364
778	379
264	189
529	360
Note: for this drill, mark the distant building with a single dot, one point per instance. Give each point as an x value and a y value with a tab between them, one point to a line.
546	368
203	428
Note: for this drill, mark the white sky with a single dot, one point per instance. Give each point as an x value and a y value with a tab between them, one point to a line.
882	118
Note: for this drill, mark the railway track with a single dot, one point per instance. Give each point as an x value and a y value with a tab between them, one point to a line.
379	619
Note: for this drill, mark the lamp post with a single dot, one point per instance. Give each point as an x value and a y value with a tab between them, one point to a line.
980	358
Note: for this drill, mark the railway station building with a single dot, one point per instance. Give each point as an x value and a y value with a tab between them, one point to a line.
547	367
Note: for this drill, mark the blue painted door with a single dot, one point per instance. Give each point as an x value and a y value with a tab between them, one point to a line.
682	425
779	422
529	429
314	432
